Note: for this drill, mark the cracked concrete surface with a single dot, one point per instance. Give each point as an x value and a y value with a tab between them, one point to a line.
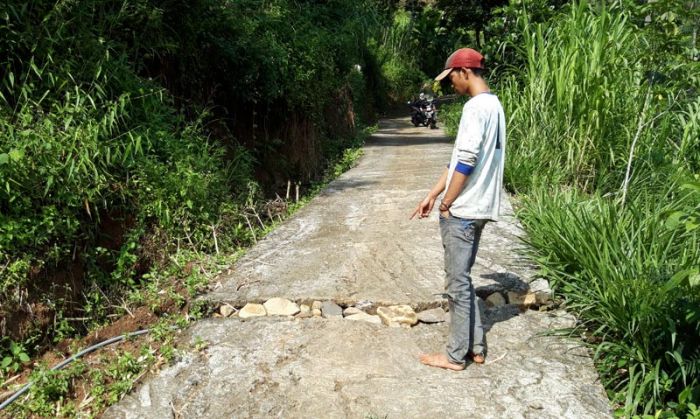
341	369
354	242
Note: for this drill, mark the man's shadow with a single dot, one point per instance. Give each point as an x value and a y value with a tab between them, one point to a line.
505	281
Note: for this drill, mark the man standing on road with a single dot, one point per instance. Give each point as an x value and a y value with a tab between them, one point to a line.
473	180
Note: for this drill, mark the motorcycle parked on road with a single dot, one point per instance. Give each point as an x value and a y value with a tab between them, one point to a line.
424	112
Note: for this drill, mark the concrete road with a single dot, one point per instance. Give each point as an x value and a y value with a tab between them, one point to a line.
355	243
355	240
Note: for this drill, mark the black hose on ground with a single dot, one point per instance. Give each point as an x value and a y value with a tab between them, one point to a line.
65	362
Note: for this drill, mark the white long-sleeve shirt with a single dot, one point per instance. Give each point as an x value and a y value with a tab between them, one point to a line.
479	152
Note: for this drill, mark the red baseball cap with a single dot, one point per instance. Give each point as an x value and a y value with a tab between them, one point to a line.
463	57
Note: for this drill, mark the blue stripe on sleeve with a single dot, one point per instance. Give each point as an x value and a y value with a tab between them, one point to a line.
464	169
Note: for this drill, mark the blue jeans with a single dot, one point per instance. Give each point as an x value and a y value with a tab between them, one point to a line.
460	239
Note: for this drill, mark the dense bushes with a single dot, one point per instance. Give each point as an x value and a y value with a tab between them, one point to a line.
594	103
131	127
86	140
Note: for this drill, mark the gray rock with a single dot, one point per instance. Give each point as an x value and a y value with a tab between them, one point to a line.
540	285
280	307
362	316
398	316
331	310
364	305
252	310
434	315
495	300
304	312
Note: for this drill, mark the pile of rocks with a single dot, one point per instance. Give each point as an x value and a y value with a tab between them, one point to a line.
538	295
392	316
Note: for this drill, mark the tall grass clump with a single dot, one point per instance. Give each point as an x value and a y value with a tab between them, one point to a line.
627	275
583	85
603	150
449	115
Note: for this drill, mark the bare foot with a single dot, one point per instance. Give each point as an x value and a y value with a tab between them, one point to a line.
440	360
478	358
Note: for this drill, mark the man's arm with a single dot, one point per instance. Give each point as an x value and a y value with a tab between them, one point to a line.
426	205
468	145
457	183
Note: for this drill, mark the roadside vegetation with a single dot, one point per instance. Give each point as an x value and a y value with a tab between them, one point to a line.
143	147
164	302
604	158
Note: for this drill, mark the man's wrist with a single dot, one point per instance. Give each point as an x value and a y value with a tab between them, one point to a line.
444	206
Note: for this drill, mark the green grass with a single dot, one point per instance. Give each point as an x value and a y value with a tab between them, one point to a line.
616	269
